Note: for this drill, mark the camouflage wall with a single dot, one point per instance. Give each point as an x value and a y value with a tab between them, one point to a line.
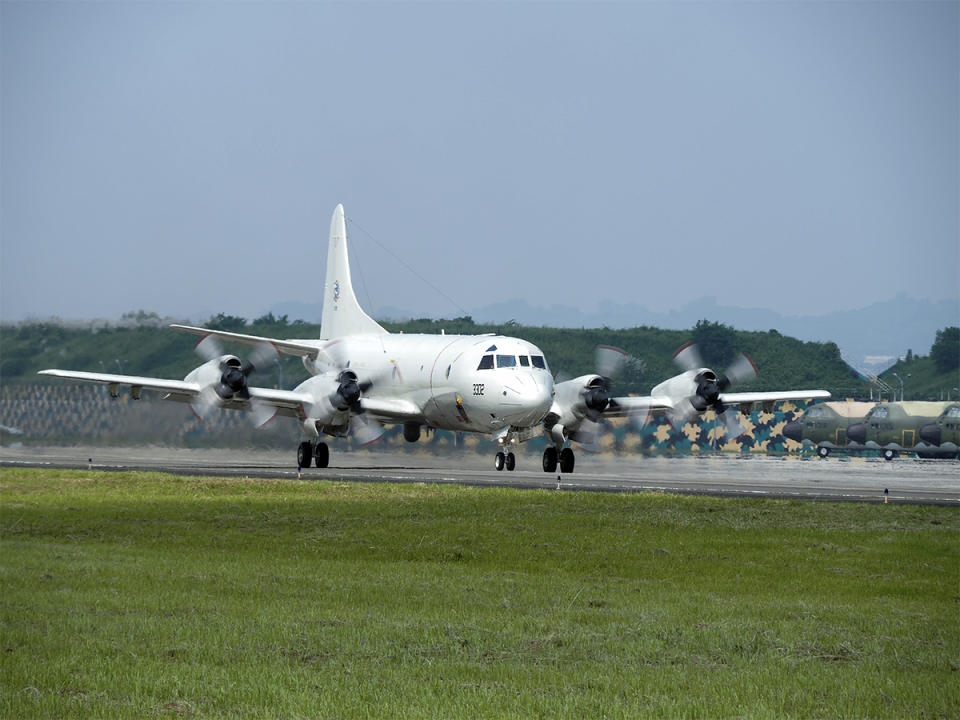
68	414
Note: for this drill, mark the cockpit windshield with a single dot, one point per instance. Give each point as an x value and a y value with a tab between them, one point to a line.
512	361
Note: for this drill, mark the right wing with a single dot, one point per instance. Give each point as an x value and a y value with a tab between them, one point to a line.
300	348
180	388
284	402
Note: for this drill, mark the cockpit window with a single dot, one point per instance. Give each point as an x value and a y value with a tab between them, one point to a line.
815	412
539	362
506	361
525	361
486	363
880	413
953	412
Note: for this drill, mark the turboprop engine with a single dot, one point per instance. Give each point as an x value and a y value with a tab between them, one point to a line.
224	377
336	408
699	388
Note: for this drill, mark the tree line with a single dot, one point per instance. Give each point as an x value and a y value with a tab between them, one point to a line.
142	344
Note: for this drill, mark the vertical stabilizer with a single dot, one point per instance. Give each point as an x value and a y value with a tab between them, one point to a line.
342	314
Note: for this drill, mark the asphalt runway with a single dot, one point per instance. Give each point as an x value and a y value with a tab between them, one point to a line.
835	478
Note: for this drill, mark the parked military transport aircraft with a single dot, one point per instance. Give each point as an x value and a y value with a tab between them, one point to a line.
363	377
927	429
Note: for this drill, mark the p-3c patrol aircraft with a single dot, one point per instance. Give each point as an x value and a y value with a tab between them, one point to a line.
363	377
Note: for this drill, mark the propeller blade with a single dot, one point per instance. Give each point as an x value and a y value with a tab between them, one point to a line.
209	347
206	402
364	430
731	421
589	435
608	360
741	370
261	413
688	357
637	419
683	411
262	355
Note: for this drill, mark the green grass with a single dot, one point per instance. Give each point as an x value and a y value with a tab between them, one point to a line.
144	595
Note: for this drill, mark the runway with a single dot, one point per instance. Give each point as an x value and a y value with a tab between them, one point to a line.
907	480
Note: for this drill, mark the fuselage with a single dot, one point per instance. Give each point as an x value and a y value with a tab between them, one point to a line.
467	383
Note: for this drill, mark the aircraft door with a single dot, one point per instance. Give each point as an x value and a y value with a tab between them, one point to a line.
909	438
841	437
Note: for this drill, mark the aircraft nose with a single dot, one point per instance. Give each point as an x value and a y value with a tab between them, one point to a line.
530	399
930	433
857	433
793	431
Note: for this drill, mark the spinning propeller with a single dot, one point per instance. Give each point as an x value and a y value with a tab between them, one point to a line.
708	387
232	382
609	363
347	396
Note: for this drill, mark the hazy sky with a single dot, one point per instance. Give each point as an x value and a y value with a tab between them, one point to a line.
186	157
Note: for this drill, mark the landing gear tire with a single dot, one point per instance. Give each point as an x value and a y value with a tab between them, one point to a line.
321	455
889	454
304	454
499	460
511	461
823	451
550	459
566	460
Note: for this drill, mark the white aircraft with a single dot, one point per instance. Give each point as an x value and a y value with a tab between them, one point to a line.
363	377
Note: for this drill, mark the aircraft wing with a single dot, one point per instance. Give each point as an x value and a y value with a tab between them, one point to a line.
633	405
174	387
287	347
752	397
284	402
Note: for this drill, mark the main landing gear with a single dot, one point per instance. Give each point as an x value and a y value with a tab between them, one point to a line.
564	458
505	460
318	454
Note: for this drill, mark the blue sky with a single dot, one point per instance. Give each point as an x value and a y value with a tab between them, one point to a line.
185	157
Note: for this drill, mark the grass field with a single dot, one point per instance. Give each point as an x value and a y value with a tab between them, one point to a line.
144	595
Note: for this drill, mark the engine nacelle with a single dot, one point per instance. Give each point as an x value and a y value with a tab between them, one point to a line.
583	397
326	407
211	371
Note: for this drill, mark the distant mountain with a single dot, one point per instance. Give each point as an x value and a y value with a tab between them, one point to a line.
870	338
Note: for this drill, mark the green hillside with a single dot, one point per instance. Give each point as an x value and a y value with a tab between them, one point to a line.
929	377
145	346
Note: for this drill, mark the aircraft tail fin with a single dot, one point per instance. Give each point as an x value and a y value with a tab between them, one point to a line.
342	314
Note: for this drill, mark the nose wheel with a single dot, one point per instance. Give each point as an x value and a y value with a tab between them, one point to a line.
505	460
